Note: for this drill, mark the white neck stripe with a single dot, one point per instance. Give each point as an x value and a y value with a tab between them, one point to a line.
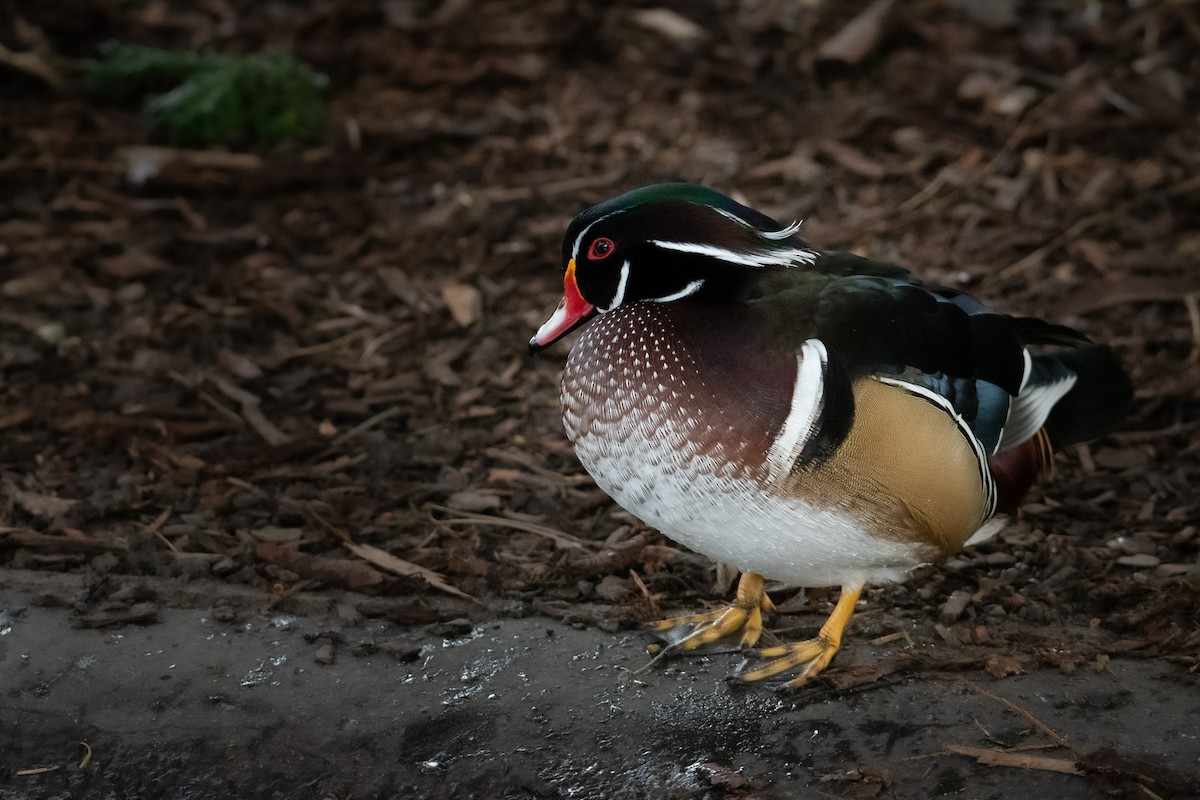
691	288
619	297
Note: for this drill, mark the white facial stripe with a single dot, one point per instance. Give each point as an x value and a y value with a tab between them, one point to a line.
732	216
691	288
782	258
773	235
808	394
583	233
782	234
619	297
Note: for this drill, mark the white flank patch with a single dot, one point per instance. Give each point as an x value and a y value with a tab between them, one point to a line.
619	297
765	258
808	394
985	473
691	288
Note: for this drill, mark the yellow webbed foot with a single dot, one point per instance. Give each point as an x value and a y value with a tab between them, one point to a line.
810	656
743	614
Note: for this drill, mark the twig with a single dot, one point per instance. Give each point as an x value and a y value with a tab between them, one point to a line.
367	424
33	64
155	528
655	612
1024	712
252	412
564	539
37	770
284	594
522	460
323	347
1076	228
1192	301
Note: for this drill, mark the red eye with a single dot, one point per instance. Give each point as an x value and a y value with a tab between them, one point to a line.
601	249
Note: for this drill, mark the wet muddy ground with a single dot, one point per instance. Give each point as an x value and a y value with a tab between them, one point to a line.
274	403
208	704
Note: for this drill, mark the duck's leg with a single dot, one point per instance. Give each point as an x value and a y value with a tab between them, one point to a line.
810	656
744	614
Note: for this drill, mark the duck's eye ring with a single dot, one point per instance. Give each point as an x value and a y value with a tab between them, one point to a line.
601	249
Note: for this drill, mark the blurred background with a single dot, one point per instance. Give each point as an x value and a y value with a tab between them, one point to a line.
268	271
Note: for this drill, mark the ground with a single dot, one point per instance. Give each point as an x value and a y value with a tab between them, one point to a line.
288	511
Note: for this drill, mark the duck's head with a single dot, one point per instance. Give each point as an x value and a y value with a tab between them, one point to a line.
660	244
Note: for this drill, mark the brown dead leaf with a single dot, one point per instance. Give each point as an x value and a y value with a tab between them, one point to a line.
851	158
473	500
237	365
133	264
351	574
15	417
1002	666
670	24
859	37
384	559
864	674
38	282
614	589
43	506
860	783
464	301
34	63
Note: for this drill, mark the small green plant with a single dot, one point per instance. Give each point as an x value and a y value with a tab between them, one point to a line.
202	99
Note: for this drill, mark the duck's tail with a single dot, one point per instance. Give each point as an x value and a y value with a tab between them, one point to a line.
1095	404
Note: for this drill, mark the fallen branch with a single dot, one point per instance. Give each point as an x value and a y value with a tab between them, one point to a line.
1008	758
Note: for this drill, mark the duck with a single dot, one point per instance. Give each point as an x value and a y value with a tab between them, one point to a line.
810	417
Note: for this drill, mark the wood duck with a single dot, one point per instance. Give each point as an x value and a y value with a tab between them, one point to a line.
810	417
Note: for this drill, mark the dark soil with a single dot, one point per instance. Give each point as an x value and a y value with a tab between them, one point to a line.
293	383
